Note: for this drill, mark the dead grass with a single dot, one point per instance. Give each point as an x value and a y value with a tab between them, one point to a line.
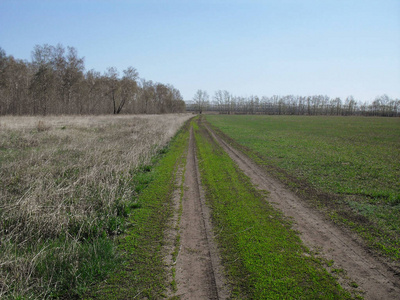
65	181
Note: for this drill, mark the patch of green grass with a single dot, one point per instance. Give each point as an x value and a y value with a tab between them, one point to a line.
143	272
92	260
348	166
263	257
354	284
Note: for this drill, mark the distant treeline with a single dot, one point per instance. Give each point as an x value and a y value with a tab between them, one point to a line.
225	103
55	82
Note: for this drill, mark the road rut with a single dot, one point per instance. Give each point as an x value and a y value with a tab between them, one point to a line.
198	270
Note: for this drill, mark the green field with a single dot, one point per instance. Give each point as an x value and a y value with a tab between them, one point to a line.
84	209
347	166
263	257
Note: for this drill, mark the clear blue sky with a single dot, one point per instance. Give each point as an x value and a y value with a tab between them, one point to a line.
303	47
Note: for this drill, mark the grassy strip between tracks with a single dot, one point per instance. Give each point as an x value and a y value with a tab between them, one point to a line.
263	257
143	274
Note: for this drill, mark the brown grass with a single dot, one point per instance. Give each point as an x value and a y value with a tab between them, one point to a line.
65	177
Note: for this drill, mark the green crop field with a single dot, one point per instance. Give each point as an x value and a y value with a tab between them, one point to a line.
263	257
347	166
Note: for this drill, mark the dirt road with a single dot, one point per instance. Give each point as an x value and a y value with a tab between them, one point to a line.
198	269
374	277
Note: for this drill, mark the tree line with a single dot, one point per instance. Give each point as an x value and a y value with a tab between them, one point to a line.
55	82
224	102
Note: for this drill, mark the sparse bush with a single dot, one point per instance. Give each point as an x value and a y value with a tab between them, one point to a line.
41	126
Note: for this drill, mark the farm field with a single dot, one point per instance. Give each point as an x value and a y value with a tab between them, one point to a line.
67	185
261	256
349	167
153	207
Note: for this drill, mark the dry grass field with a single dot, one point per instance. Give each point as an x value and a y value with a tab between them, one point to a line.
66	183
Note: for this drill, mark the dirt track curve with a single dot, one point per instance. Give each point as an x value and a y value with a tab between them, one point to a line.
374	277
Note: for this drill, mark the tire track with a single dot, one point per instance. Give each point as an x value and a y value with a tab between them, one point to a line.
198	269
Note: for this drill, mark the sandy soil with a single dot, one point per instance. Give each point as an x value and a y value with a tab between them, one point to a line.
376	278
198	269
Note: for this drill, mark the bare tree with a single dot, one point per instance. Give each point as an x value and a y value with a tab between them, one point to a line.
73	76
128	88
55	82
147	96
92	92
111	78
43	84
219	100
14	83
178	105
201	99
